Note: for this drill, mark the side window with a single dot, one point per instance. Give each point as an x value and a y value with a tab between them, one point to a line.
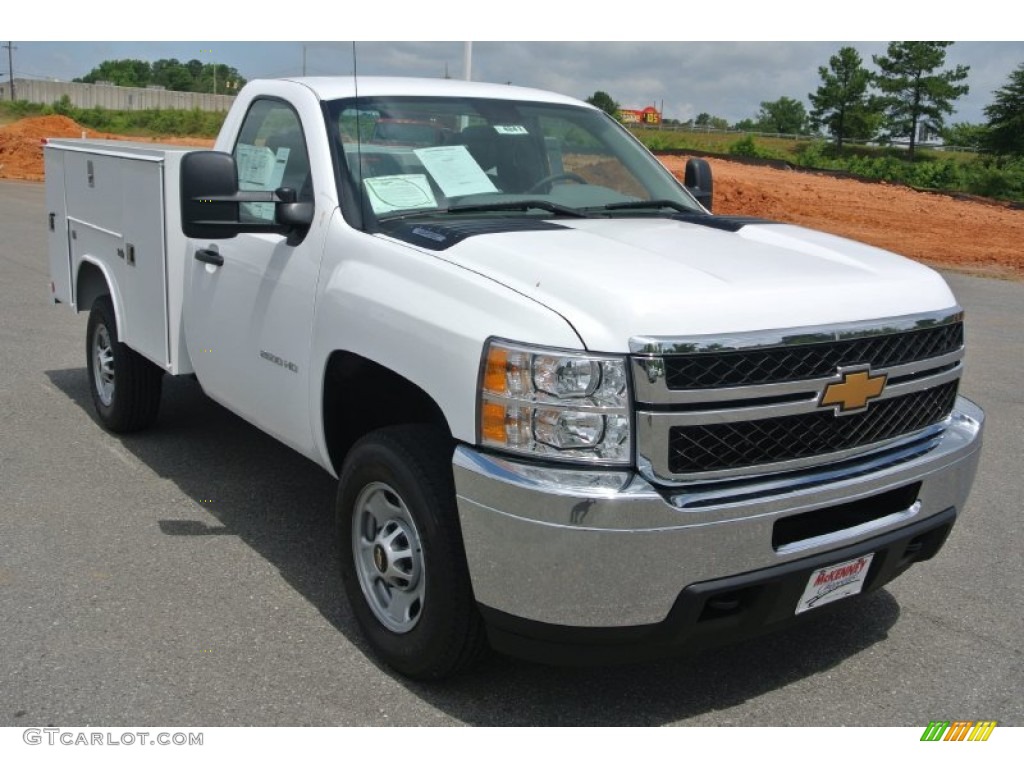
271	153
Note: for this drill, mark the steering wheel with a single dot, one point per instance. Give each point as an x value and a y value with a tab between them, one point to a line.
547	180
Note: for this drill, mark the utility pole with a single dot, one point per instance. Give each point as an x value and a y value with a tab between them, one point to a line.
467	61
213	63
11	48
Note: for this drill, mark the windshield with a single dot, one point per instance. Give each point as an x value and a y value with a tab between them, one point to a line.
436	156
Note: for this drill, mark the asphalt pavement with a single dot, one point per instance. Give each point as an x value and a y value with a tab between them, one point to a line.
185	576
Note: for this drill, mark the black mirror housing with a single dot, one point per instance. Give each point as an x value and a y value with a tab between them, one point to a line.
210	201
698	180
206	176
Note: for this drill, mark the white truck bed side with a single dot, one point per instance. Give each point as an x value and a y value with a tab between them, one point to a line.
114	204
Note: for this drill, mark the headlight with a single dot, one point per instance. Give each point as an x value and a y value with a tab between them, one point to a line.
555	404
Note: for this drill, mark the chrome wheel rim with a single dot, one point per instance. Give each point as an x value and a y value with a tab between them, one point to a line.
388	557
103	364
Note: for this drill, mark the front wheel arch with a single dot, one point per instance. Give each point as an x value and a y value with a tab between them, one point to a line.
360	396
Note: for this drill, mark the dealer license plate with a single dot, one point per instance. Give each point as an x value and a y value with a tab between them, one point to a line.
834	582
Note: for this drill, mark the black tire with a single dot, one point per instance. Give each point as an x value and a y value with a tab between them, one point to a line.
125	386
403	474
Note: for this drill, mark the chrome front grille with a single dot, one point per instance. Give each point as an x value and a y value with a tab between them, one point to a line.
711	447
750	404
808	361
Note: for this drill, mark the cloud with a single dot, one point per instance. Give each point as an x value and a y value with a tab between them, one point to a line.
728	79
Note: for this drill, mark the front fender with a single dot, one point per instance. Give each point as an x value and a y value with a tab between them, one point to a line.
419	316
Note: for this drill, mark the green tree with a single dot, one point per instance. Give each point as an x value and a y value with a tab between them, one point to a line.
172	75
746	124
707	121
967	135
1006	117
604	102
126	72
841	104
914	91
785	115
195	69
219	78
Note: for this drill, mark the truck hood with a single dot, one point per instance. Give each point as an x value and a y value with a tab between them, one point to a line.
613	279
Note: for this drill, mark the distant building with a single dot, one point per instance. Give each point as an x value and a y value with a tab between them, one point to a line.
928	136
646	116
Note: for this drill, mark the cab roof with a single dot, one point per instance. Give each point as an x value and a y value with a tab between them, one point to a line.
330	88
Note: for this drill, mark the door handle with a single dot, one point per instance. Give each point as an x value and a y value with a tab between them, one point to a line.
207	256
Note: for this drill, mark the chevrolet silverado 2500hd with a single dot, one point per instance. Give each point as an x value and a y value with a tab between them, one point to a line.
572	412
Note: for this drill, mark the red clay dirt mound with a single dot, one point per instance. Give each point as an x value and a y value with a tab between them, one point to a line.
977	236
21	143
21	149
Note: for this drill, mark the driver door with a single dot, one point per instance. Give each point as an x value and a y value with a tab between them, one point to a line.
248	320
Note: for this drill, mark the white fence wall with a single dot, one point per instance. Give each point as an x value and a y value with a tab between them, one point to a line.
112	96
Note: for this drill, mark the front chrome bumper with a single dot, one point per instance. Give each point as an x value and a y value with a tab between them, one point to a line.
595	548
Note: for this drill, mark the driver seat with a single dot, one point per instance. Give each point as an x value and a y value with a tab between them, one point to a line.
515	162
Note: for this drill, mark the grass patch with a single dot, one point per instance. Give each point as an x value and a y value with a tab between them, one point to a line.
10	111
1001	178
142	122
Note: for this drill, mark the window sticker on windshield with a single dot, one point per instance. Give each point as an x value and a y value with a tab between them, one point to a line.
396	193
455	170
511	130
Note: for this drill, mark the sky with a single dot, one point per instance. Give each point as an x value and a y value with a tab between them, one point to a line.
726	79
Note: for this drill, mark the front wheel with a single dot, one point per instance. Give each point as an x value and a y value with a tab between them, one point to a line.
403	563
125	386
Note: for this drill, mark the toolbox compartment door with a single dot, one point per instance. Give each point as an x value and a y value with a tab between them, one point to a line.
115	214
57	226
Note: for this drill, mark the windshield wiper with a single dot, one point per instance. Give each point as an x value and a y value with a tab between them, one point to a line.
652	204
412	214
513	205
519	205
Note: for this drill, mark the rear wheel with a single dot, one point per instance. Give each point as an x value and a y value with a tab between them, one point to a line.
125	386
403	563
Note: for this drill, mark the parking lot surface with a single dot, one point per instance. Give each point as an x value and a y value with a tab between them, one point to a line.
186	575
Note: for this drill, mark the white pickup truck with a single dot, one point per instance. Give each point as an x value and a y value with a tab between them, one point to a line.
572	413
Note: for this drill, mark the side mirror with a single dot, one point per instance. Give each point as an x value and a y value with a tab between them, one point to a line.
210	201
698	180
209	182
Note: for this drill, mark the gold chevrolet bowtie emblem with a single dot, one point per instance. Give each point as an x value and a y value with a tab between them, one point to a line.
853	391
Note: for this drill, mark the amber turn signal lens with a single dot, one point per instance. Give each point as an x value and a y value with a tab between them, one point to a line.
497	366
492	422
